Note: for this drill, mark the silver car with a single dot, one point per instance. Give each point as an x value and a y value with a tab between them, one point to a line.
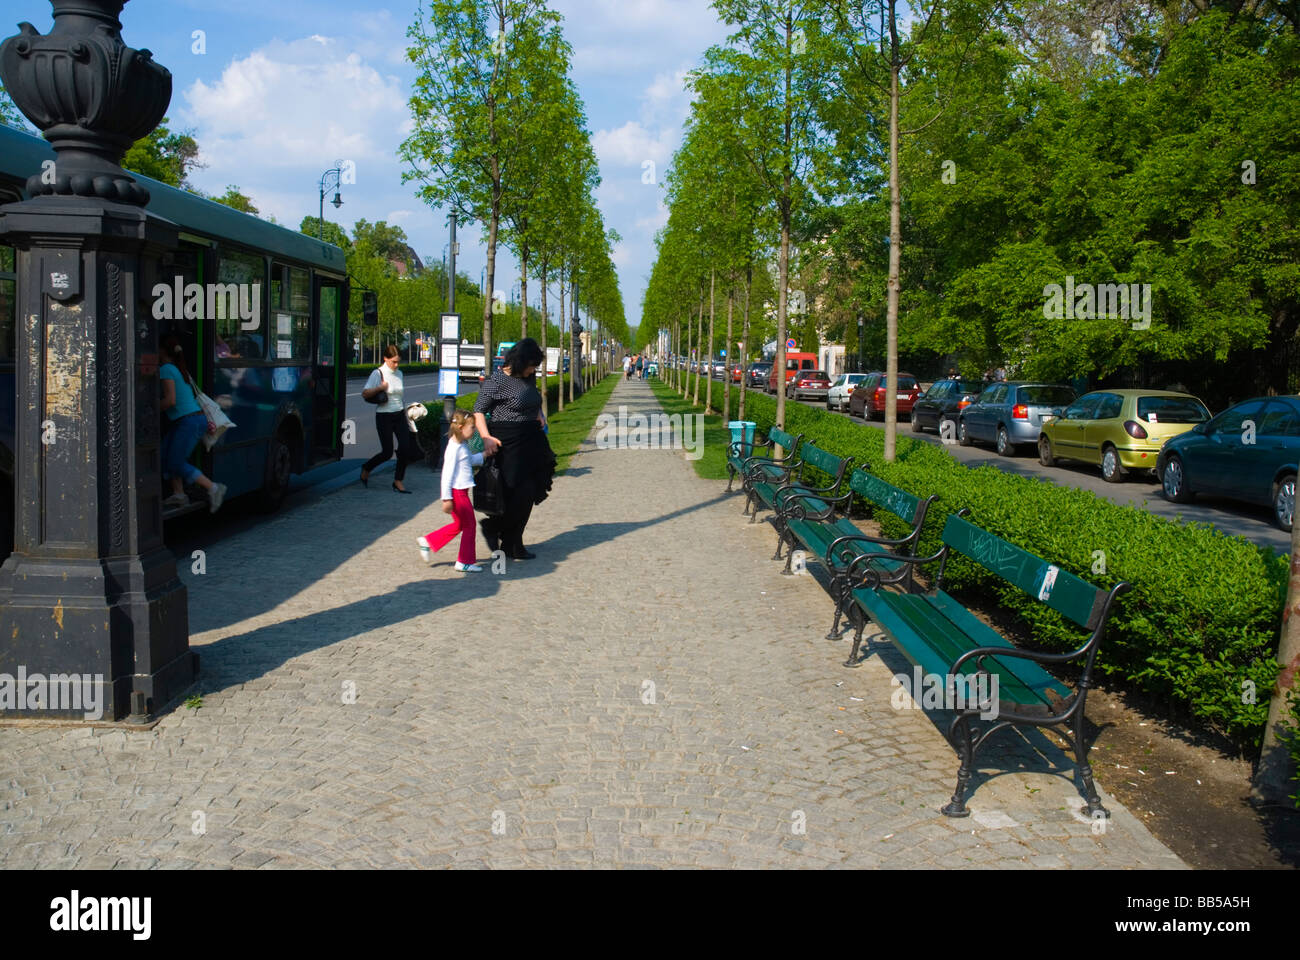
1010	415
837	398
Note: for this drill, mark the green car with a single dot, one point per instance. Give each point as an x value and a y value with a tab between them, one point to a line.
1119	430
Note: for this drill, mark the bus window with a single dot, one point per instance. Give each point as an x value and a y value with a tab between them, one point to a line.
291	309
329	321
237	338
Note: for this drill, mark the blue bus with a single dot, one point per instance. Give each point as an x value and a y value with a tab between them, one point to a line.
281	381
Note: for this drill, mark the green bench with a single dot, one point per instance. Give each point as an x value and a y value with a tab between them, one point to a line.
764	466
946	641
799	484
810	521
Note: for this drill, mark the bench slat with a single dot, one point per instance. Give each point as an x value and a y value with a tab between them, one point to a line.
1059	589
921	628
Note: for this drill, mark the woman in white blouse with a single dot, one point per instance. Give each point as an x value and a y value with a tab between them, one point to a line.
390	420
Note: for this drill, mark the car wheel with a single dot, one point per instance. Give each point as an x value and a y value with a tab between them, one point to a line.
1112	471
962	436
1174	482
1005	447
1045	452
1284	501
916	423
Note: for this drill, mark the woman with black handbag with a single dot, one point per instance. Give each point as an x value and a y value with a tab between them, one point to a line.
517	438
384	388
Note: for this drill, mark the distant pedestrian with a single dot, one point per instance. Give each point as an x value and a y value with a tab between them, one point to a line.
640	367
952	373
457	481
186	425
390	420
1000	374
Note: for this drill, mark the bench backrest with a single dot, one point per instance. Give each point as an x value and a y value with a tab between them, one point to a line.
1062	591
785	441
881	494
827	463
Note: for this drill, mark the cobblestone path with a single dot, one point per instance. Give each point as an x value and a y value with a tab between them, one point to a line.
650	691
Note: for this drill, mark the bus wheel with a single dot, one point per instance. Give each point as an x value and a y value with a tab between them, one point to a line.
279	463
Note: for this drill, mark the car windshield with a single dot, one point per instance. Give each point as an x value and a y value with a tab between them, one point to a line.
1047	396
1171	410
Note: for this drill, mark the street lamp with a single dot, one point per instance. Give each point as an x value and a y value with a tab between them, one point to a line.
862	356
332	176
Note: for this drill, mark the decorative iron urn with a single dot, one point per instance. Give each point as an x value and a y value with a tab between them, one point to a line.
90	94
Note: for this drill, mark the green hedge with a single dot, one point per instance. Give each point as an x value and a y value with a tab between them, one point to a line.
1202	617
365	369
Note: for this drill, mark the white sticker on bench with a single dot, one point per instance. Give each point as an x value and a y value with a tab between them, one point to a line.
1049	581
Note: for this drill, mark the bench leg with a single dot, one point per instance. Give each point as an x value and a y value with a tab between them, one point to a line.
860	622
731	476
780	538
959	735
1094	809
838	588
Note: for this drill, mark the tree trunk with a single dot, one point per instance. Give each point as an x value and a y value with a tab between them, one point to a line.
708	389
895	241
744	343
523	298
1275	777
699	350
563	344
729	360
545	325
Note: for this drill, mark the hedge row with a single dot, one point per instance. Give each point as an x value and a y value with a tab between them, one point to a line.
365	369
1200	626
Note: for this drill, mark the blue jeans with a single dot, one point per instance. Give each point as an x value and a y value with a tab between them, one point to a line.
179	442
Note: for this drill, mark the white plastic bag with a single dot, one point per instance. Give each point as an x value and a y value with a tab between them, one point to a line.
218	422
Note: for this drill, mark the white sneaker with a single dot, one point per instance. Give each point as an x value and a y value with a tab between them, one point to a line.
176	500
468	567
426	552
215	496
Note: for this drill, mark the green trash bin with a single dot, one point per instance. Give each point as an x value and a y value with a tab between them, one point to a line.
742	432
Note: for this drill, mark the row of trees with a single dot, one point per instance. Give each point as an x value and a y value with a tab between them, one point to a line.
935	167
499	137
947	167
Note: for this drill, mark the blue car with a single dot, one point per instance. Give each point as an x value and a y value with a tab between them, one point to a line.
1248	452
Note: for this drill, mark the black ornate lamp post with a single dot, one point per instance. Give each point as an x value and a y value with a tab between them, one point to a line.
331	179
90	589
862	347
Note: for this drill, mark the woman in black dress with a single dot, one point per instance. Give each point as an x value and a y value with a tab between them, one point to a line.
515	435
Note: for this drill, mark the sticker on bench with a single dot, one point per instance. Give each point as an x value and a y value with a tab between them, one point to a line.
1049	581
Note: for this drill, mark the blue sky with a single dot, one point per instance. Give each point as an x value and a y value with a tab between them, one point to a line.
287	87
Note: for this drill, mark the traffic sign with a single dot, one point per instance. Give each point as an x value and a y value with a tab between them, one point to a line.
790	344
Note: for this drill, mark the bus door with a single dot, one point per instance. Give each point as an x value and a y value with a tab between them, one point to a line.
179	269
327	370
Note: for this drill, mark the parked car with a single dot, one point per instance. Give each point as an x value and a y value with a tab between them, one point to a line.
719	370
794	363
1010	414
944	401
837	397
868	398
1248	452
737	372
808	385
1120	430
758	374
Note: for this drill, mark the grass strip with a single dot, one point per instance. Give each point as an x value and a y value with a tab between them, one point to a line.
713	464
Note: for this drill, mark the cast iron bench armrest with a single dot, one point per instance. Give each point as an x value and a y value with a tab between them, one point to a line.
733	448
908	563
1038	656
865	538
791	508
800	490
754	472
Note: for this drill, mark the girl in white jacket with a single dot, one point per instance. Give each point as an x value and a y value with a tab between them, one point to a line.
457	481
